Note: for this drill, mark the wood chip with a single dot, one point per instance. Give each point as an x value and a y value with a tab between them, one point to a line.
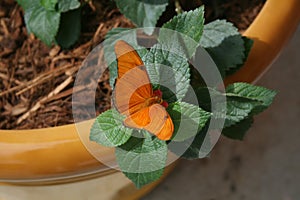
54	51
5	29
19	109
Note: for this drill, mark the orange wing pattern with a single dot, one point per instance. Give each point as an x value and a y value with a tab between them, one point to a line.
161	124
127	57
133	95
154	119
132	91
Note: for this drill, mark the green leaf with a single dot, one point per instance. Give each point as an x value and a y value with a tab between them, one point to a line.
42	19
44	24
229	54
188	120
49	4
238	131
224	44
248	43
193	148
141	179
182	33
204	97
243	102
196	78
237	110
28	4
215	32
69	28
256	93
27	16
143	13
66	5
108	129
168	70
200	148
142	159
233	110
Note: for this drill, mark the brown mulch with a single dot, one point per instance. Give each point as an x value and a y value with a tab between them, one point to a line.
36	81
240	12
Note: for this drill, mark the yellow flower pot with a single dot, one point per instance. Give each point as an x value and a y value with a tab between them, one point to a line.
57	155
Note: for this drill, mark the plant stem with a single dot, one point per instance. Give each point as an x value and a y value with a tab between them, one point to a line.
178	7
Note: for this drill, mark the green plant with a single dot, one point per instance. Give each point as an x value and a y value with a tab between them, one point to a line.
140	154
60	21
143	158
146	13
53	20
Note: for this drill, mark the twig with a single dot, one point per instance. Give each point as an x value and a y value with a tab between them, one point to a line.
61	57
4	76
65	93
30	86
44	99
178	7
59	88
68	72
5	29
98	31
92	6
5	52
38	80
78	50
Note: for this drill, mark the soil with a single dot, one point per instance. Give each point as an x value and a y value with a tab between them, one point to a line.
240	12
36	81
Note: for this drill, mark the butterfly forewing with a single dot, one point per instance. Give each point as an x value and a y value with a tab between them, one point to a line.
132	90
127	57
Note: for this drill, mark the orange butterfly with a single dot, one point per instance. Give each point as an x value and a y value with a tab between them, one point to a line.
135	98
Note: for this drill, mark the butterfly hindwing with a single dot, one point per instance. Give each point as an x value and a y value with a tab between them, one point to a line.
160	124
154	119
167	130
139	119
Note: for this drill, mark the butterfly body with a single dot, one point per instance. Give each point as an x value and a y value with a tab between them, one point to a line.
135	98
152	100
